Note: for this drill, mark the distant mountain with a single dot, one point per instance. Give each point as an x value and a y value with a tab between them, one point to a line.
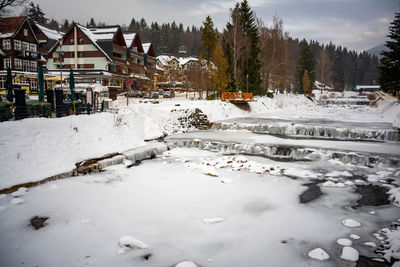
377	50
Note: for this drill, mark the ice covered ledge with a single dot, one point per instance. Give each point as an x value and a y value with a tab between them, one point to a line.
147	151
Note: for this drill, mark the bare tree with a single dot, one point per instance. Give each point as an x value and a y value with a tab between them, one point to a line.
274	55
325	67
240	44
5	4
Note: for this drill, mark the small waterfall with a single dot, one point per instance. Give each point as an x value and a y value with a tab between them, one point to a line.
287	152
311	131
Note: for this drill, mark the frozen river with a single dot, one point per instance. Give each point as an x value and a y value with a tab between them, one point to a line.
230	196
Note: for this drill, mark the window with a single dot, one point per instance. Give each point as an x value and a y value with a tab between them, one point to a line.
25	46
18	63
25	32
2	83
32	47
6	44
80	40
7	63
33	84
25	65
17	45
33	66
80	54
71	41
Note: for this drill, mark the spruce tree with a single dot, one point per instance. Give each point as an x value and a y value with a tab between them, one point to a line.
305	62
208	42
35	13
389	72
253	63
208	39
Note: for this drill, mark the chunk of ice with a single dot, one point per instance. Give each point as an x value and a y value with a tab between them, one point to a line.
344	242
318	254
131	242
351	223
213	220
350	254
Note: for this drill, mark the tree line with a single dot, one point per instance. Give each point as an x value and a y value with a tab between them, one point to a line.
259	57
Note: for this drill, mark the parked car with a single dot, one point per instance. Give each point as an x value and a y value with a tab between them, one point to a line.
146	95
169	94
135	93
154	95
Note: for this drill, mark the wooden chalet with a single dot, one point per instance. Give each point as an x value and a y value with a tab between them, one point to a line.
48	37
19	51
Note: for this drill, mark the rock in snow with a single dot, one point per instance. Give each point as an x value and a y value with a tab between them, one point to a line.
350	254
351	223
186	264
131	242
344	242
354	236
226	181
213	220
209	170
318	254
20	192
370	244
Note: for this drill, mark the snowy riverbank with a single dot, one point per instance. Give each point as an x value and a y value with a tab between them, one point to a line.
33	149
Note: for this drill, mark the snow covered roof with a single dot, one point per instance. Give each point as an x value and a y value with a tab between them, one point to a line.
129	37
184	60
106	33
50	33
93	38
140	76
165	60
6	35
146	47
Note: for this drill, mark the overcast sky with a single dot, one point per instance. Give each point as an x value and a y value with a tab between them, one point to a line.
356	24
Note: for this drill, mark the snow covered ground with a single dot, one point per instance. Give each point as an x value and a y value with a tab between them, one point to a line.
191	205
207	207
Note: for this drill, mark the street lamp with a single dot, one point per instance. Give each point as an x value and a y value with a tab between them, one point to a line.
61	59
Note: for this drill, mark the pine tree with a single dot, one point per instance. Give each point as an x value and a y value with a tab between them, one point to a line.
66	25
389	72
305	62
208	39
35	13
92	23
253	63
208	42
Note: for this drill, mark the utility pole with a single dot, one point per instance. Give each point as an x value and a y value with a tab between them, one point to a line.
247	82
60	56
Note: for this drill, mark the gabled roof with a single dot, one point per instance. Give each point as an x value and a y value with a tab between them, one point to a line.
93	38
11	25
165	60
50	33
148	49
129	37
104	33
